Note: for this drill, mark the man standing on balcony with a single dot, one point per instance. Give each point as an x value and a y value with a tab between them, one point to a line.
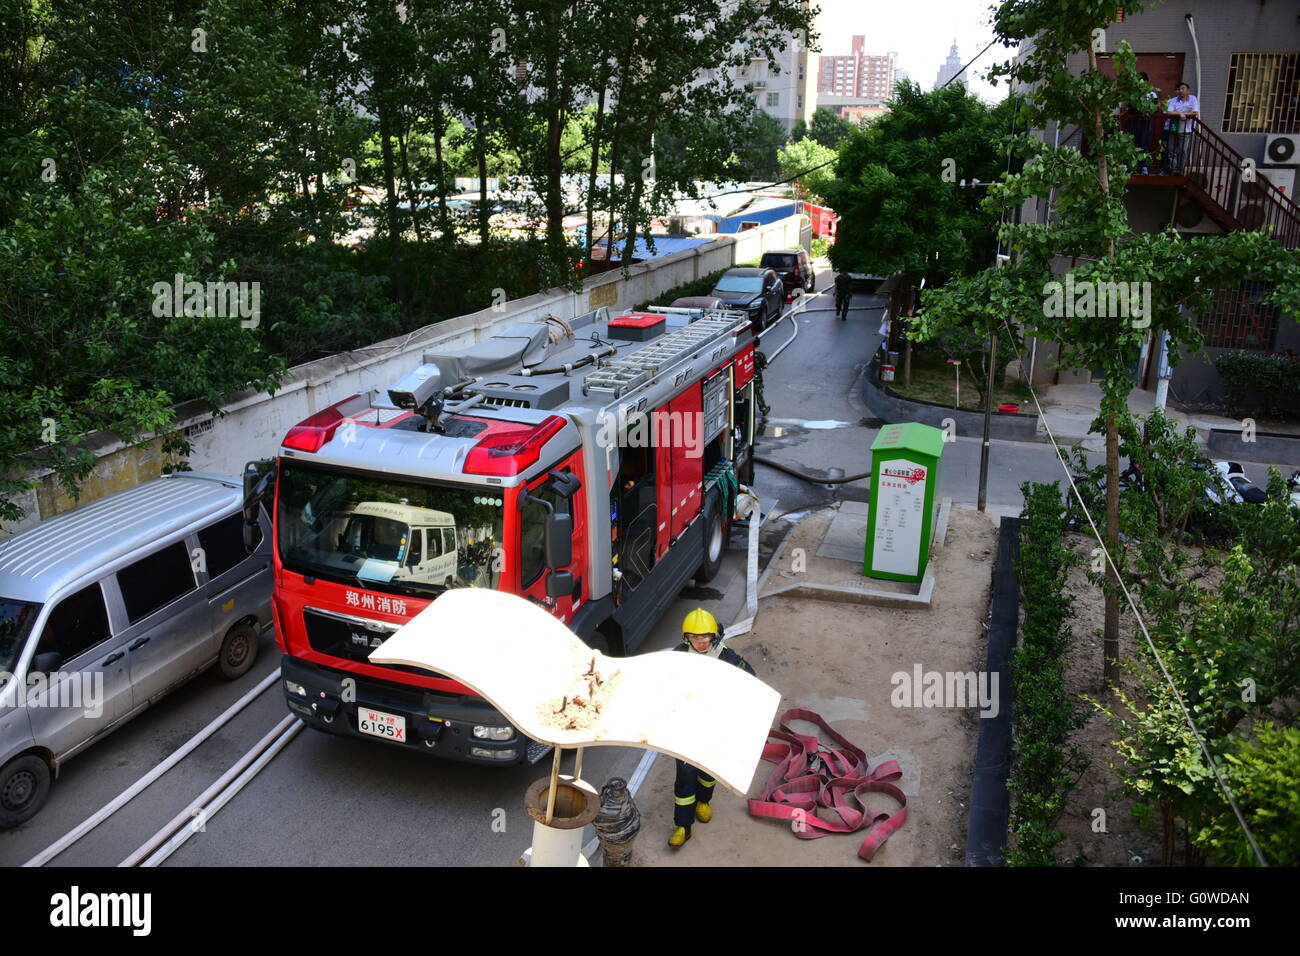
1177	127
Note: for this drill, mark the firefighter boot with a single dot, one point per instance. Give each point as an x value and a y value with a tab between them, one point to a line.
703	812
679	837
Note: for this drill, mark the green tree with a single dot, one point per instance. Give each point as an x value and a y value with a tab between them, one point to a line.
828	128
1092	227
899	192
807	154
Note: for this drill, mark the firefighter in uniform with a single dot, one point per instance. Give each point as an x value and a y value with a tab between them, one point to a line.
843	295
693	790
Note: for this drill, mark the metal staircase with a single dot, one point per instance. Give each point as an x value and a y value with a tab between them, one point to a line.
1221	182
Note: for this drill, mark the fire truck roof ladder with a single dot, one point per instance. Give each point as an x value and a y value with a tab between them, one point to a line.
619	377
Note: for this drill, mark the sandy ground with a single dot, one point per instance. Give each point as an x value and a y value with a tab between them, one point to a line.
837	659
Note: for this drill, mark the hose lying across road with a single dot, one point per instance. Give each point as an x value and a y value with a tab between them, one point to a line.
773	463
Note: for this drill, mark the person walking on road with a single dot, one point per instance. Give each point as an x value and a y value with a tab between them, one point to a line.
843	293
692	790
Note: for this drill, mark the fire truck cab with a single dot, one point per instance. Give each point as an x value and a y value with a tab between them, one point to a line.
589	465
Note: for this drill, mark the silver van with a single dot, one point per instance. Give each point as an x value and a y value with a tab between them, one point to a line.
106	608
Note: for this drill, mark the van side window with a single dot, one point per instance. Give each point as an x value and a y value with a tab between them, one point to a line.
77	624
155	581
414	550
435	543
223	544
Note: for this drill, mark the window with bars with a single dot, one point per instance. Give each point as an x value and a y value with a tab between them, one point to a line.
1263	93
1240	318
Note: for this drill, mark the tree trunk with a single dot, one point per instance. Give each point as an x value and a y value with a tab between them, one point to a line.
390	187
1110	633
440	171
480	153
591	176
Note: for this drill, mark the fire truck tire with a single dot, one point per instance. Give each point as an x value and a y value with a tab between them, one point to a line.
238	651
598	642
714	545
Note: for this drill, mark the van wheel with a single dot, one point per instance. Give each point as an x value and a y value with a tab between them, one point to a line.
238	651
713	547
24	785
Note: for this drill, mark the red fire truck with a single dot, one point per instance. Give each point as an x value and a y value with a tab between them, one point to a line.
590	465
824	220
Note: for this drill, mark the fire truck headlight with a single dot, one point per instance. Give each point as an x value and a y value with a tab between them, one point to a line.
295	688
492	754
494	733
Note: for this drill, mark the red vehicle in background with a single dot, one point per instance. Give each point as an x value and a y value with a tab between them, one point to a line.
824	221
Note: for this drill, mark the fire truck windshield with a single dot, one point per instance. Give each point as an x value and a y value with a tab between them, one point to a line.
407	537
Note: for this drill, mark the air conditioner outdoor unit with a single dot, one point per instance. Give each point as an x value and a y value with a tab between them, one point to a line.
1282	178
1192	218
1212	181
1282	150
1254	201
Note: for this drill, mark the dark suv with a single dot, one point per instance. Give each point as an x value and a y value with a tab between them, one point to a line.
793	267
758	292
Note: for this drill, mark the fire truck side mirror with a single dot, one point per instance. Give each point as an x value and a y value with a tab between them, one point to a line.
559	541
259	480
559	584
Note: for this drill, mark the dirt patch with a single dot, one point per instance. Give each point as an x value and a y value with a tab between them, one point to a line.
838	659
580	708
1124	842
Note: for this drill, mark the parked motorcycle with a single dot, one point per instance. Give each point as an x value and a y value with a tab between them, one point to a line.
1227	481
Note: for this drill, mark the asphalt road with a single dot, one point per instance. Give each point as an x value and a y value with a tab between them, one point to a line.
326	801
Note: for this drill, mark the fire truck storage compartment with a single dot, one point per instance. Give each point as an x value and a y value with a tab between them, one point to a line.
638	326
680	466
635	511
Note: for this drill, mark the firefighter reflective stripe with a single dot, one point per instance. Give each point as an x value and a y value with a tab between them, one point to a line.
706	782
685	801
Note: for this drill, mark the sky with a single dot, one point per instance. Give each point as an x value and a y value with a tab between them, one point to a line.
919	31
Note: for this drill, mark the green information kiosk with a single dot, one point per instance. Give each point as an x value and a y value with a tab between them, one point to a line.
904	501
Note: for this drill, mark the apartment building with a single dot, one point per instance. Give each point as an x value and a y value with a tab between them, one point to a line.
858	75
1237	168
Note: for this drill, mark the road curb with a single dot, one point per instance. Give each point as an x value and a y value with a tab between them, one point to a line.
990	801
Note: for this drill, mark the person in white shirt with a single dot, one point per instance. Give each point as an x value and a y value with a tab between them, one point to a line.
1177	127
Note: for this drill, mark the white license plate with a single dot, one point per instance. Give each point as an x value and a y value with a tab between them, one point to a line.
378	724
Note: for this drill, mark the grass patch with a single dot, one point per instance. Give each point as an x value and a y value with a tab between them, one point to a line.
933	380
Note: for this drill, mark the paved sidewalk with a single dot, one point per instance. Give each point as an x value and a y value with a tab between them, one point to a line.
1069	411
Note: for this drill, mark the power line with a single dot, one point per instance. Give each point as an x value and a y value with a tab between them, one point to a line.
964	68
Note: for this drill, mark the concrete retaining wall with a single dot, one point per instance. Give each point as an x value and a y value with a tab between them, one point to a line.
252	424
889	406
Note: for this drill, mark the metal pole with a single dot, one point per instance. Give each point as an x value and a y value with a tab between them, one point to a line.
988	417
1000	260
550	793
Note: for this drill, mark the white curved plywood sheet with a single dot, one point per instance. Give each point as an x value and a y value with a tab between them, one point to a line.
557	690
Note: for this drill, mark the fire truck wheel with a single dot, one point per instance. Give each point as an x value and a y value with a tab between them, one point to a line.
713	546
598	642
238	651
24	785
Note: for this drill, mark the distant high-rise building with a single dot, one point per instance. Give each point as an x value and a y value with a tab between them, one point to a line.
951	67
859	74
